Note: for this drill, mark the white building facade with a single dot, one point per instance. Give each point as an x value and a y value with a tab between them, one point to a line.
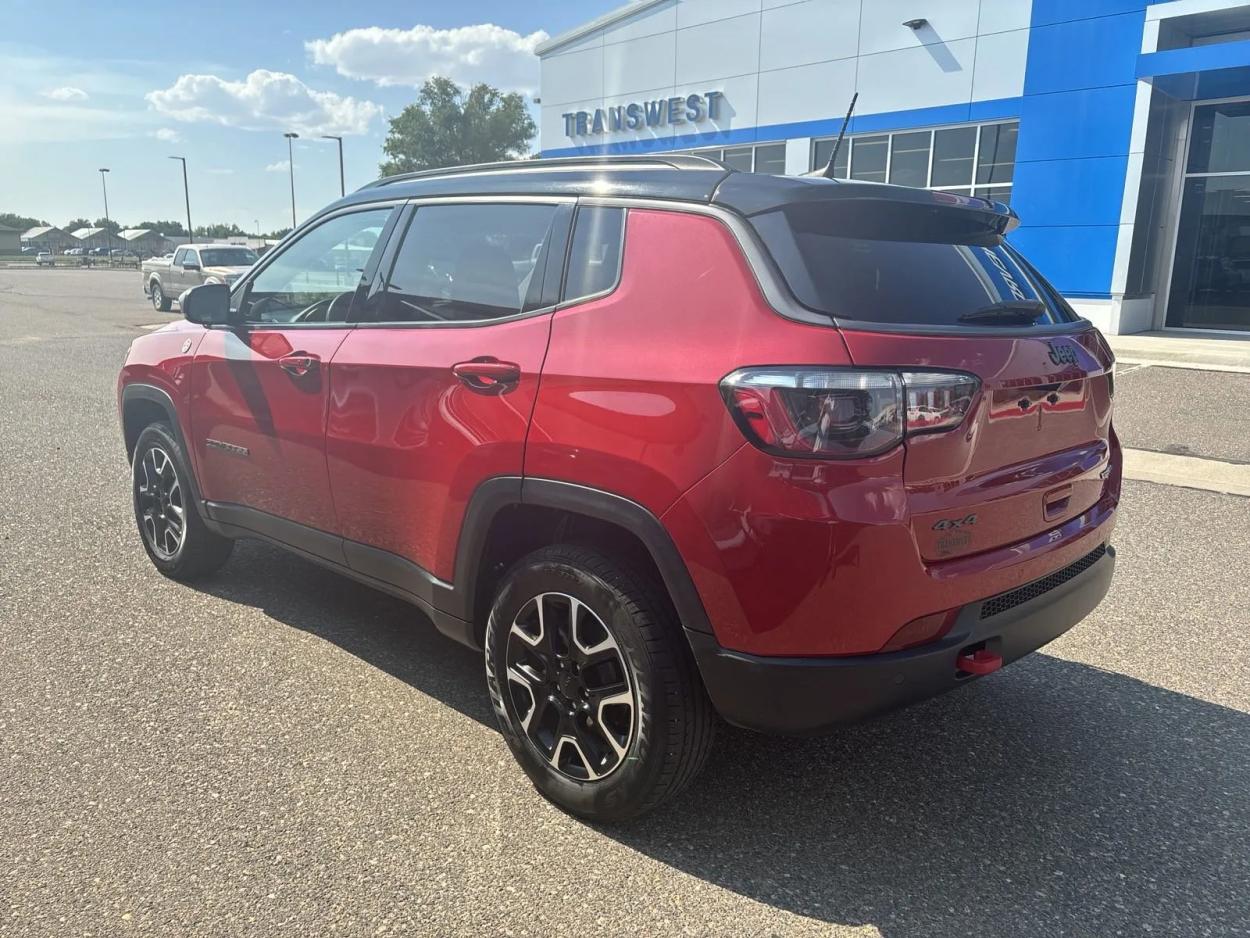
1118	130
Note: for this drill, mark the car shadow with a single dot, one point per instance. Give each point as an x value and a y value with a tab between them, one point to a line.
1054	798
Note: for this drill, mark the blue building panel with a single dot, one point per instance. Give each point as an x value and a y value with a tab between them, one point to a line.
1077	259
1087	53
1046	12
1070	192
1076	124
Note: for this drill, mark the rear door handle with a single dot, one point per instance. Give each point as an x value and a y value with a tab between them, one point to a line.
488	375
298	364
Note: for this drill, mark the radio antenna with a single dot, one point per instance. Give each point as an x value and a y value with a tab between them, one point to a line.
828	171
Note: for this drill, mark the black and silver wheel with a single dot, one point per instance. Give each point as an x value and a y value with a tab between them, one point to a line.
593	687
161	507
159	300
174	535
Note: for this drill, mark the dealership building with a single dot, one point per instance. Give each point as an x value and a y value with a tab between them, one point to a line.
1118	130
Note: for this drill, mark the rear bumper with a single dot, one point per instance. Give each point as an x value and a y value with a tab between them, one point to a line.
802	696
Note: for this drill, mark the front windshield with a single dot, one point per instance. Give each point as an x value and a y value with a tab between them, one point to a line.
228	257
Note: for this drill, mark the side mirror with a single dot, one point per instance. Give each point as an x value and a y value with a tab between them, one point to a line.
207	305
190	265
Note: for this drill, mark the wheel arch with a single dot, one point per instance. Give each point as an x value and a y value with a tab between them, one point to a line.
510	517
145	404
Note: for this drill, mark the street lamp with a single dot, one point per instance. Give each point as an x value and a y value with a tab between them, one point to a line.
108	233
290	161
342	186
186	194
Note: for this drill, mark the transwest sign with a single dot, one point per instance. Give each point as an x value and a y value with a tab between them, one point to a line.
660	112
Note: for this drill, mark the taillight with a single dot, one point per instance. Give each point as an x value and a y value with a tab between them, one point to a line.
840	413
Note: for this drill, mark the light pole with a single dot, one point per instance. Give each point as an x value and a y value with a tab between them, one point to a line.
290	162
342	186
108	234
186	194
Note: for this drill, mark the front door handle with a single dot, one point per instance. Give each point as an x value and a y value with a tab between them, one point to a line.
299	364
488	375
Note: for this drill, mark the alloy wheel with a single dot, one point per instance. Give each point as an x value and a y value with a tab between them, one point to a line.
570	686
162	509
158	297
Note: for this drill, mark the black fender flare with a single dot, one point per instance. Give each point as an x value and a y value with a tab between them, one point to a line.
160	397
495	494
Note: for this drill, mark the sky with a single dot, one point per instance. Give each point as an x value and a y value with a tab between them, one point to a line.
126	84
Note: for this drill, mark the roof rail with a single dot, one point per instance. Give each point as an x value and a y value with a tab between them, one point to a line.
652	161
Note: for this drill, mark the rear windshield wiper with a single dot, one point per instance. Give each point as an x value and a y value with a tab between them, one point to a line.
1021	312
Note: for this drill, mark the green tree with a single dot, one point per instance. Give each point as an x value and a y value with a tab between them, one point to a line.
448	126
167	228
219	230
75	223
21	222
108	223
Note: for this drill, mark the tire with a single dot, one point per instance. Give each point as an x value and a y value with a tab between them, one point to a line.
627	643
173	533
159	300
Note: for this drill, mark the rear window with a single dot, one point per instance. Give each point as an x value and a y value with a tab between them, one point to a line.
904	273
228	257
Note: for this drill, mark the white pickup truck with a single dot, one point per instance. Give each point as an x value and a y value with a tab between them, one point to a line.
165	278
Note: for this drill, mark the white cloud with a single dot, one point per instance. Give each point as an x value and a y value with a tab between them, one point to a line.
279	167
466	54
264	101
66	94
167	135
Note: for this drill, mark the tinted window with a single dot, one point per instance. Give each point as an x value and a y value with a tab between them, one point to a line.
900	279
467	263
997	158
771	159
228	257
178	256
868	156
191	258
595	256
314	278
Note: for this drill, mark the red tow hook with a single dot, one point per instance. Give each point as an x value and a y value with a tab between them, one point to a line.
982	661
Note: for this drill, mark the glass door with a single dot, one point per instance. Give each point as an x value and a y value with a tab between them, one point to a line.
1211	275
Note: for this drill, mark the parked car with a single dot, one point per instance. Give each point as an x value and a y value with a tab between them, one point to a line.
164	279
45	258
794	450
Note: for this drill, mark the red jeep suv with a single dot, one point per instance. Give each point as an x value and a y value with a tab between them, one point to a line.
665	440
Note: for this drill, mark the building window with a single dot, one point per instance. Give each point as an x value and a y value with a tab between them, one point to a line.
971	160
767	158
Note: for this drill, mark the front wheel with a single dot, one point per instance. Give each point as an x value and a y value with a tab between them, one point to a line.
174	536
595	693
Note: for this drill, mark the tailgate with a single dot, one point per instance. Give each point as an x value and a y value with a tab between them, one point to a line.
1032	453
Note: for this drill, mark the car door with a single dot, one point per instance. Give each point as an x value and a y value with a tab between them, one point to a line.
171	280
260	386
432	392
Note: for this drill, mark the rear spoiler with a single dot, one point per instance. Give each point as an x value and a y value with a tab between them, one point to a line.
869	210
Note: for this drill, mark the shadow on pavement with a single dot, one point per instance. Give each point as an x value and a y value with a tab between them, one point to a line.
1054	798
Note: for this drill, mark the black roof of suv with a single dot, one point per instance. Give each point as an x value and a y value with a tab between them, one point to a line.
677	177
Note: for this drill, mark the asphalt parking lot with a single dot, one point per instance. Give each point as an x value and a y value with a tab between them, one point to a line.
280	751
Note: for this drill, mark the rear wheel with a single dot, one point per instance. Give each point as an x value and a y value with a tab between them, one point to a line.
593	688
159	300
174	535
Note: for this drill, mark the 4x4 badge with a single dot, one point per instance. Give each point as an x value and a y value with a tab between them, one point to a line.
1061	353
949	524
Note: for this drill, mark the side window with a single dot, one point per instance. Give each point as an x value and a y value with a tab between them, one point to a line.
315	277
192	257
178	256
595	257
467	263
